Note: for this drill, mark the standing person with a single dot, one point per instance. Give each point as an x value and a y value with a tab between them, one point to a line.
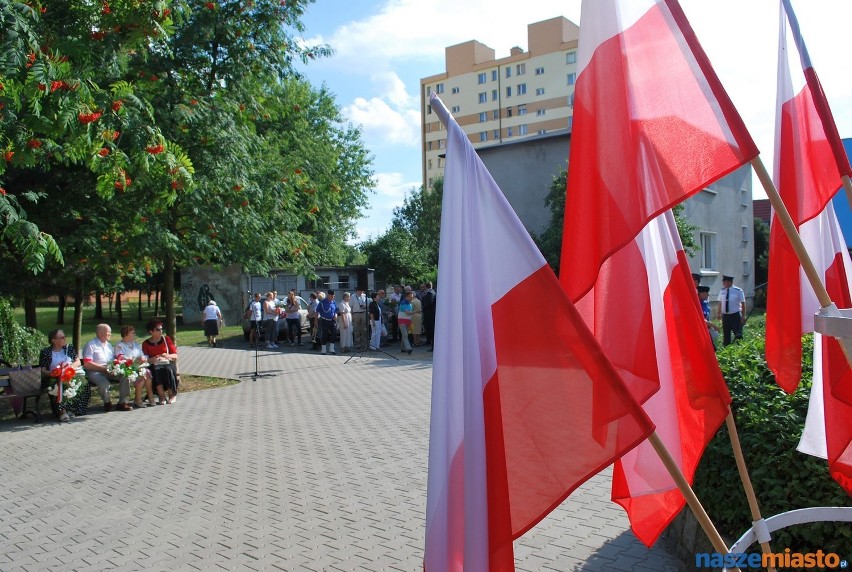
731	305
270	311
429	302
358	305
162	354
404	320
130	349
211	317
416	319
56	354
276	326
96	355
294	322
256	311
327	313
376	320
703	295
344	322
393	301
312	318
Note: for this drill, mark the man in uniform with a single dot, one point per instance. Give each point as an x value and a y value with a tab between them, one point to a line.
731	307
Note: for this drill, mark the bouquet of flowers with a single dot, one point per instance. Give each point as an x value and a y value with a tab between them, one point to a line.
68	381
126	367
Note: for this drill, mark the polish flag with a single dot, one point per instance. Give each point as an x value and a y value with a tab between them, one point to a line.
525	406
652	126
808	170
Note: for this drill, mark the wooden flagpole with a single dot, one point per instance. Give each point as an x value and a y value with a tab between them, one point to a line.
753	506
691	500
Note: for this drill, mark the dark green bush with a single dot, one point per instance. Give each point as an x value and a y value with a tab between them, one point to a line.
769	424
18	345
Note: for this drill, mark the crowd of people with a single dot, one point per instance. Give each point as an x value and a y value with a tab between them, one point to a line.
355	321
151	367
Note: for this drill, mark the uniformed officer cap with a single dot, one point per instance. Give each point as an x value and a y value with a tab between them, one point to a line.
704	288
731	278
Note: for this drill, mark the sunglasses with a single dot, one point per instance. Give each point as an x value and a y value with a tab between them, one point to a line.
158	329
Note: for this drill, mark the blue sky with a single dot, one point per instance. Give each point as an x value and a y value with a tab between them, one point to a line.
384	47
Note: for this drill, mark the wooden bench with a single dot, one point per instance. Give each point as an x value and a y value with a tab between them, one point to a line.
19	385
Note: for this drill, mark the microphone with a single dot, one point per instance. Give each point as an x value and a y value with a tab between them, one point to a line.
248	292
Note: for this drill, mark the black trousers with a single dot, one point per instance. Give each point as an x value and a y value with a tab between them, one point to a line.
732	324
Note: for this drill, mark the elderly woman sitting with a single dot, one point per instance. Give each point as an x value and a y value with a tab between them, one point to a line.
61	354
131	350
162	355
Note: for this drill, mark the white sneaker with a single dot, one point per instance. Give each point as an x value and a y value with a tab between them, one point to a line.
64	418
322	353
70	414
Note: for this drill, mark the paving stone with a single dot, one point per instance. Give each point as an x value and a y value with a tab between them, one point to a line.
321	466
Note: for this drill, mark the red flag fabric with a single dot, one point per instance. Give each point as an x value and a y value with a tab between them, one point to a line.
807	175
513	432
652	126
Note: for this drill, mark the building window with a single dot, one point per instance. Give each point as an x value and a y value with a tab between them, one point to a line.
429	182
508	132
493	95
456	109
483	136
483	116
539	71
540	112
571	100
745	233
508	71
482	77
522	69
707	241
430	164
508	112
496	134
439	88
509	91
522	89
542	131
570	121
522	109
428	145
440	162
522	129
571	58
493	75
320	283
746	268
744	197
455	90
572	78
539	91
429	108
442	143
483	97
495	114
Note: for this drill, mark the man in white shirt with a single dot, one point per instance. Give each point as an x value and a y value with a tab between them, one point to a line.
96	355
256	313
358	303
731	307
270	310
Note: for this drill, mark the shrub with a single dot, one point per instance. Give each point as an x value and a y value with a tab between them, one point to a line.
769	423
18	345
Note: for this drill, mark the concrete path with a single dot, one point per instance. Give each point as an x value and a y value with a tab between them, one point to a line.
321	466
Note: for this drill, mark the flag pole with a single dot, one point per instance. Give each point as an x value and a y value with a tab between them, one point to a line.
754	507
847	187
792	233
686	490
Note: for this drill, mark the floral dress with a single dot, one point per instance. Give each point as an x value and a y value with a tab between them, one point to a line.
48	359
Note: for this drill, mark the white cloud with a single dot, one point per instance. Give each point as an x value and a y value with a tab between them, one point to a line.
383	124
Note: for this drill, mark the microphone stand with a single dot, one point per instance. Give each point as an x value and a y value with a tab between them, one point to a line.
368	345
256	375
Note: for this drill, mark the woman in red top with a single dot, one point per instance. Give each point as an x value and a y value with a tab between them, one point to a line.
162	355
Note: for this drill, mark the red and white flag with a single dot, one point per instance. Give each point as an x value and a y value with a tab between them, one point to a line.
525	406
808	169
652	126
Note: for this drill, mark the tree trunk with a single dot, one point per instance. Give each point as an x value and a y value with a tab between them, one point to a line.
78	312
109	304
139	309
157	302
99	307
169	295
60	311
30	317
118	313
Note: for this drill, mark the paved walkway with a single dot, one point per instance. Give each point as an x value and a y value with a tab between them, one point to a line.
321	466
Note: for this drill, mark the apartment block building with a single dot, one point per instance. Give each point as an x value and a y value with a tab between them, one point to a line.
502	100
